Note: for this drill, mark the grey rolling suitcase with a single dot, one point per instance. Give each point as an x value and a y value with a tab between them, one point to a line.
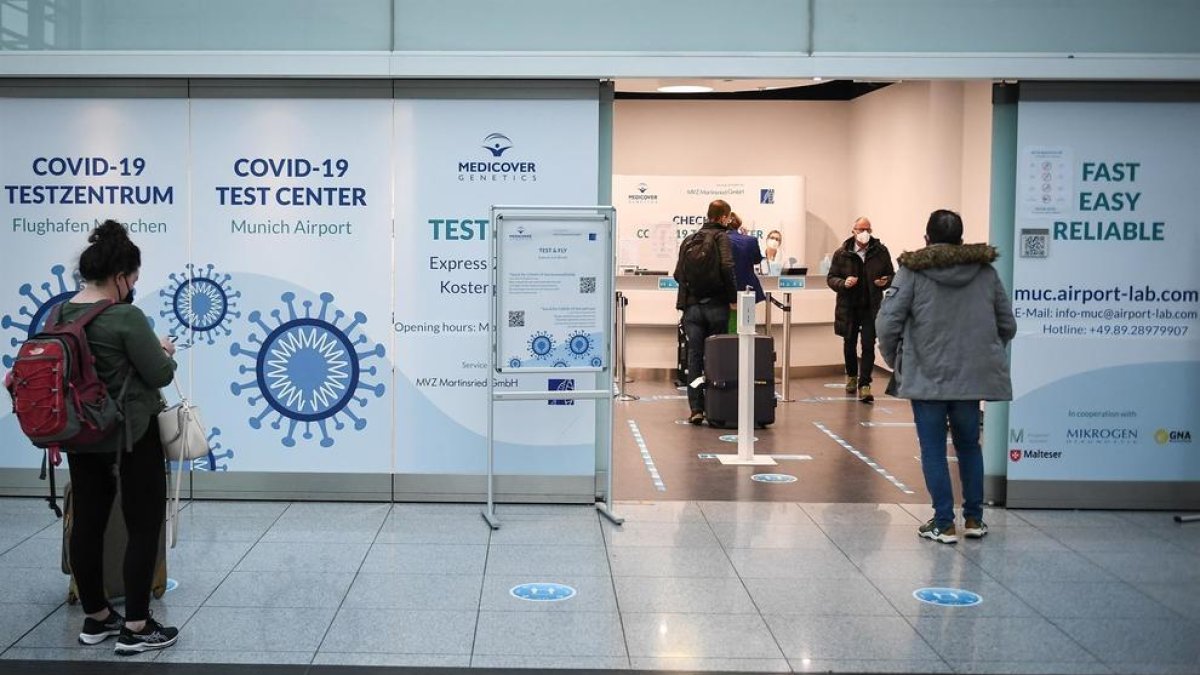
721	376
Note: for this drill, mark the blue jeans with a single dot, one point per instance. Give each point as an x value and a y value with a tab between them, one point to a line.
931	417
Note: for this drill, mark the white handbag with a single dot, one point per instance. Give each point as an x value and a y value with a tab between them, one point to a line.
183	440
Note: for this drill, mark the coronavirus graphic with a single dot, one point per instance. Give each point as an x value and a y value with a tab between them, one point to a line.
217	458
199	304
307	369
31	317
540	345
580	344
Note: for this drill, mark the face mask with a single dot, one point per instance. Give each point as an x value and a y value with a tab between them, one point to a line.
128	299
772	244
863	237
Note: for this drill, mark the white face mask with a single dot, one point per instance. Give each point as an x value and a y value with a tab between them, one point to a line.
772	244
863	237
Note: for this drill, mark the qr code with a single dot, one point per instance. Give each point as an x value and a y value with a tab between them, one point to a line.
1035	243
516	319
587	284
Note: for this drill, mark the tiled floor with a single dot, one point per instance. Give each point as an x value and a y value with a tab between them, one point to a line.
763	587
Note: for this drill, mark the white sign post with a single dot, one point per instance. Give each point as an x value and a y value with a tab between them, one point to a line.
746	336
552	312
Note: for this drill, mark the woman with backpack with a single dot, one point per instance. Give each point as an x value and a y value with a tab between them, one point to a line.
133	364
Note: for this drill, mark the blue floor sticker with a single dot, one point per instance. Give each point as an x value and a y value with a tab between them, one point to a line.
773	478
732	438
542	592
171	584
947	597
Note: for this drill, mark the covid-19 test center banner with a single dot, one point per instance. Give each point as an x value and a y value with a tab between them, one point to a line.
455	159
655	214
67	165
1106	364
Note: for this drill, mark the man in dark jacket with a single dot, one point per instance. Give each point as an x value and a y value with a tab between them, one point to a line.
943	327
705	295
861	269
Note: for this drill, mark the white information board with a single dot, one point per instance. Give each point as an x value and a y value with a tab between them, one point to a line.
554	275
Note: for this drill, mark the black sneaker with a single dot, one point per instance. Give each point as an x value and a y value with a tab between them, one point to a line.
696	417
946	535
154	635
95	631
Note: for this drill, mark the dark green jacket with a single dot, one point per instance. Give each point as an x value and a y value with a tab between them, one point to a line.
121	341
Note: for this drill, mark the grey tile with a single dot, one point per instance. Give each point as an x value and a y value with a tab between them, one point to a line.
311	557
541	633
1011	565
256	629
33	585
237	509
1064	599
332	511
857	666
1117	539
1153	668
792	564
1014	539
547	532
994	517
842	637
688	663
646	561
77	653
1028	668
178	654
1052	518
741	636
329	523
193	527
432	528
1149	566
875	537
958	639
17	619
431	509
415	591
544	511
1183	598
425	559
936	562
843	597
192	587
592	594
860	514
61	628
769	535
33	552
650	595
400	632
1137	640
282	589
24	525
530	662
997	600
8	543
1152	519
22	506
205	556
584	561
393	660
683	535
659	512
776	513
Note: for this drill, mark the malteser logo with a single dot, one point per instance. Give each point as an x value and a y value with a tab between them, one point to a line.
1014	455
1164	436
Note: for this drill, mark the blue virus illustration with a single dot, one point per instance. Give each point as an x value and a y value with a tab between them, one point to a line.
596	362
199	304
217	458
31	317
540	345
308	370
579	344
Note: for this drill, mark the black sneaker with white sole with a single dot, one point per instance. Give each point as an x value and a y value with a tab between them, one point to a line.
96	631
153	636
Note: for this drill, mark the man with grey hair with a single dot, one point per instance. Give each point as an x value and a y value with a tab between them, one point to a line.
861	269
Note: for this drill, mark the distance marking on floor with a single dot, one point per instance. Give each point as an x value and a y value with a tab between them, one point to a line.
865	459
646	458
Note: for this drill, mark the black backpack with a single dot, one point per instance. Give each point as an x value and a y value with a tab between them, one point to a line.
700	264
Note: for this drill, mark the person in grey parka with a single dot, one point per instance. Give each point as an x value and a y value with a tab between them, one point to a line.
943	327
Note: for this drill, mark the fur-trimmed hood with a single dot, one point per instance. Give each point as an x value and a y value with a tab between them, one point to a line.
950	264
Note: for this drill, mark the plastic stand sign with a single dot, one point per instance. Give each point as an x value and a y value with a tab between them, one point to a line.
746	334
553	274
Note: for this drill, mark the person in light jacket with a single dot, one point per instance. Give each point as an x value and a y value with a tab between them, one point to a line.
943	327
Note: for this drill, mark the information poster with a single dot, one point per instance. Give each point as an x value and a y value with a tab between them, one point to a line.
655	214
67	165
1106	364
554	294
455	159
293	225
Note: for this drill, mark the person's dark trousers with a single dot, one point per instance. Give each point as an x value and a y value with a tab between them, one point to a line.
699	322
931	417
862	325
143	500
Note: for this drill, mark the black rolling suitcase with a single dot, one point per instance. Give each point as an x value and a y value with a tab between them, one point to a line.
680	356
721	376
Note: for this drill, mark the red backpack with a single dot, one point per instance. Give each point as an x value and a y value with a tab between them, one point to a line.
59	400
